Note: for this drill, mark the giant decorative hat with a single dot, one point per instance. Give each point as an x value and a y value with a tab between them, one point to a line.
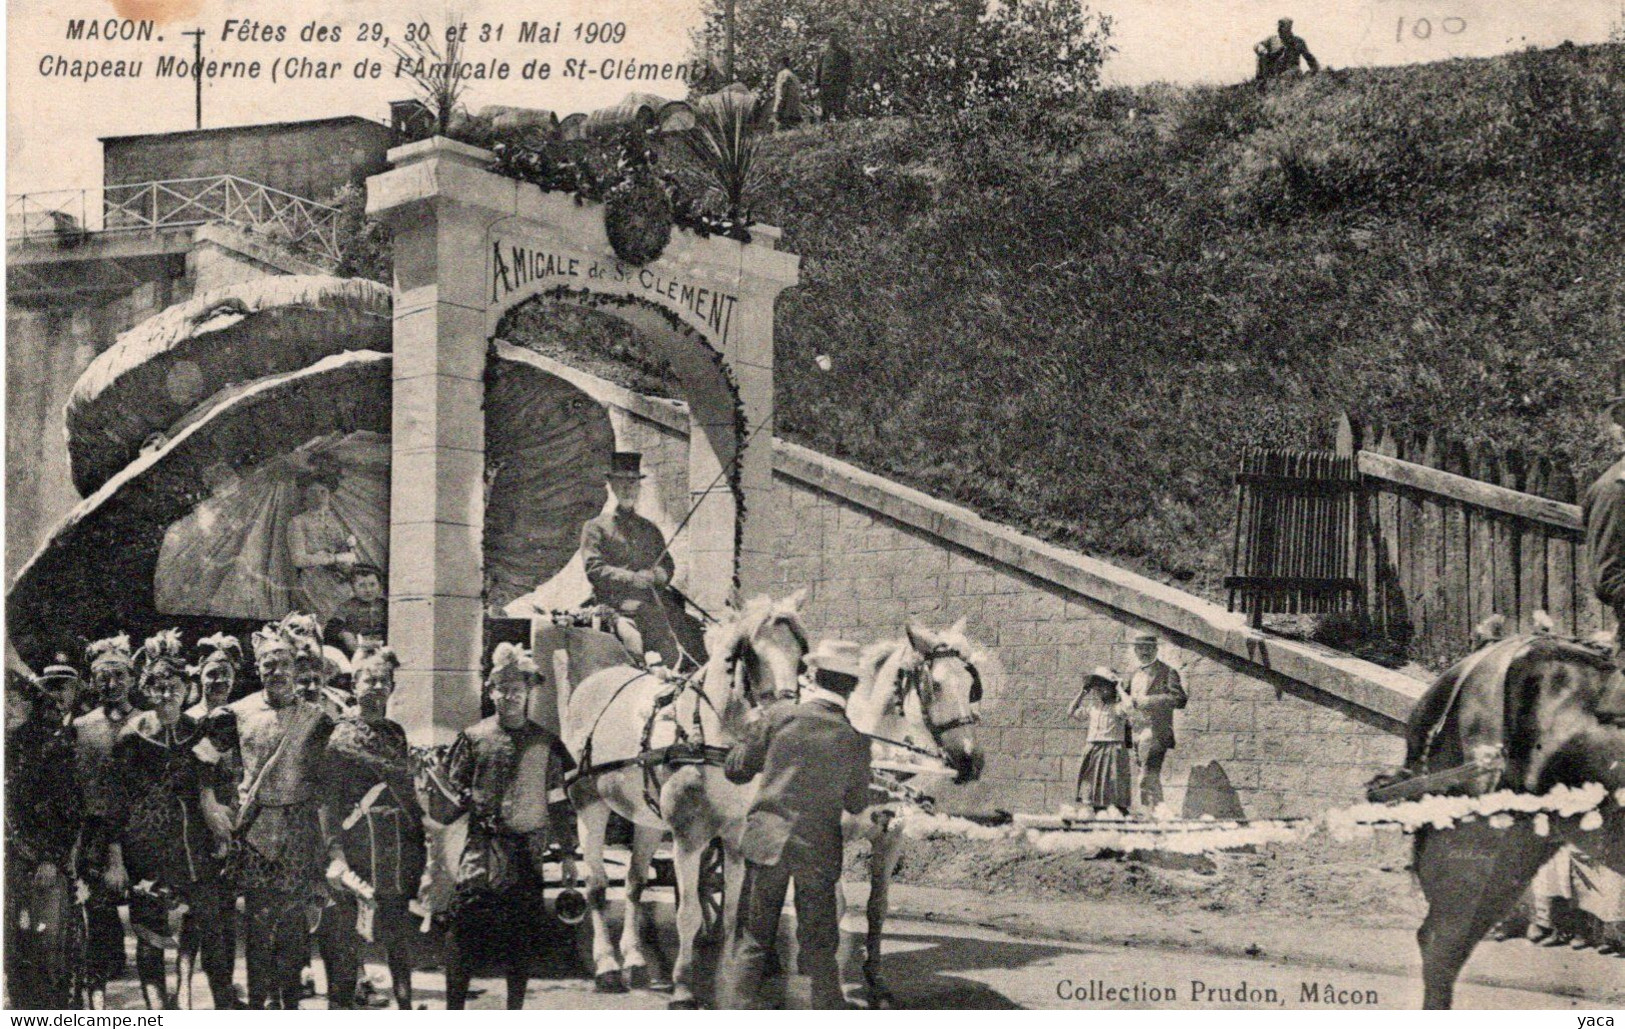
196	525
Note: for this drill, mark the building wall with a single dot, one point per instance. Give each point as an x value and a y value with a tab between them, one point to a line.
1272	743
1285	748
308	159
46	352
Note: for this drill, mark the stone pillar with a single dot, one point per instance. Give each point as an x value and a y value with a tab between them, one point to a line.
437	446
470	245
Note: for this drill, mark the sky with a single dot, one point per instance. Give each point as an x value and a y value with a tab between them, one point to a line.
53	124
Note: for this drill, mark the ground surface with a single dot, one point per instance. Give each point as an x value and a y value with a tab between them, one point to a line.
1126	923
1363	882
931	964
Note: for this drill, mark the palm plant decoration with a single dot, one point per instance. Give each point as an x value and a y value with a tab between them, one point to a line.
725	147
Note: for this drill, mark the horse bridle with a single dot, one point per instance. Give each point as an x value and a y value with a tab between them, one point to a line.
744	655
912	678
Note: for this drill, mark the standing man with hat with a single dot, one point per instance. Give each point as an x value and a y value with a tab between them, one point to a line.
1154	694
41	827
1603	511
814	766
627	561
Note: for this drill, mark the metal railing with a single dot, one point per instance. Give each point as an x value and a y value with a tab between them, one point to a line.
68	215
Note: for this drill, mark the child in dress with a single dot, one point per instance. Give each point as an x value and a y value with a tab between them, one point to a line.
1106	776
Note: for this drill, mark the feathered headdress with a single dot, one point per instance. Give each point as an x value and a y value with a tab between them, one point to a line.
373	655
220	647
269	639
112	650
510	661
161	654
301	629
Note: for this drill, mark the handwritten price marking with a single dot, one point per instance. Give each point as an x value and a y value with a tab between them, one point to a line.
1422	29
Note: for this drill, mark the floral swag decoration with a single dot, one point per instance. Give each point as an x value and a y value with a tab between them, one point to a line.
642	201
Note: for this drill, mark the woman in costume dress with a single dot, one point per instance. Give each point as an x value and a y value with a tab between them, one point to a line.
372	806
321	550
158	836
500	770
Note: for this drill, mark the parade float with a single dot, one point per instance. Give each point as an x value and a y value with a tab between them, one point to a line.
190	436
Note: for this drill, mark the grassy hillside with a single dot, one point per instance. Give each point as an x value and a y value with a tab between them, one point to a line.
1073	323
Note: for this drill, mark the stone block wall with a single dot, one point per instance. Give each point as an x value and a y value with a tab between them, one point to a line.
875	556
1285	748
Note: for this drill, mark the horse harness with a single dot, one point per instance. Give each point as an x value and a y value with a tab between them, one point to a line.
912	679
690	747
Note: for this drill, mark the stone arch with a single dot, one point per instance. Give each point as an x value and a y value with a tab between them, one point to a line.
718	421
469	247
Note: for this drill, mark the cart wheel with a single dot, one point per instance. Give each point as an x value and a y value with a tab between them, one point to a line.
713	893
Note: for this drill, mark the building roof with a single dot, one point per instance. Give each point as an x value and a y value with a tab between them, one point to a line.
255	126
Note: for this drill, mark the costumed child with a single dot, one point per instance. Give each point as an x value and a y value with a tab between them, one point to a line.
379	850
499	771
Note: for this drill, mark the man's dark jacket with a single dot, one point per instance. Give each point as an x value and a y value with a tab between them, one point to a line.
1603	512
813	766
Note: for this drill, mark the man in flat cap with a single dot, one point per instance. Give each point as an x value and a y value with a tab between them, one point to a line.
814	766
630	568
41	828
1155	692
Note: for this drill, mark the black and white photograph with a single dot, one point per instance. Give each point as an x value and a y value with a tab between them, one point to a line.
814	504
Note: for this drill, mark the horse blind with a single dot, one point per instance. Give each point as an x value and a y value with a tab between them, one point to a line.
1296	535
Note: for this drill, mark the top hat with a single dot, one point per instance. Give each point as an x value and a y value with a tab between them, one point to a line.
834	665
1145	637
626	464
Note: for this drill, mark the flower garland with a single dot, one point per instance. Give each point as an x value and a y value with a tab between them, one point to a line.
1502	810
627	166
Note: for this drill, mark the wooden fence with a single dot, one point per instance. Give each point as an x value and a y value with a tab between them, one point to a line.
1296	542
1451	535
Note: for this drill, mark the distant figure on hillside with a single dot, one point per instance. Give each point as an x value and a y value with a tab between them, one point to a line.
1279	55
834	79
788	102
1603	512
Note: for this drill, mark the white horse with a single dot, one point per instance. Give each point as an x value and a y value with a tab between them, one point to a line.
918	699
617	717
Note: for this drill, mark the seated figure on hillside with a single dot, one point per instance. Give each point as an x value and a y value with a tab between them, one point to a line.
1279	54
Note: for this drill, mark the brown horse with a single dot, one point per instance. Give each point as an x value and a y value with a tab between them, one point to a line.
1536	713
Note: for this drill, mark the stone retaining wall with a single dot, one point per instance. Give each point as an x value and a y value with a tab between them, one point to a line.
1284	728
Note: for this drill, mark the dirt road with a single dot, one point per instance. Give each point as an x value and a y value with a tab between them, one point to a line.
933	964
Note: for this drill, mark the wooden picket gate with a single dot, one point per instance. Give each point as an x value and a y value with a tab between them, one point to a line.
1297	538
